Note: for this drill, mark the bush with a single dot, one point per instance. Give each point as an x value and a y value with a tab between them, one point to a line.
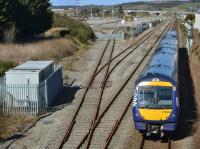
190	17
56	32
77	29
10	34
183	29
29	16
4	66
6	7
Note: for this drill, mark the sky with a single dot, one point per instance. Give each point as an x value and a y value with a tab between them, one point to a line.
86	2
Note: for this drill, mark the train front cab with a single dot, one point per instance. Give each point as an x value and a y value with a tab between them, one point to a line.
155	107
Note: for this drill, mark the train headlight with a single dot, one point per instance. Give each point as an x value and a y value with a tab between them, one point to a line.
161	127
173	115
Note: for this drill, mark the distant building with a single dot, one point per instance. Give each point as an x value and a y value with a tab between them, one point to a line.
197	21
71	12
59	11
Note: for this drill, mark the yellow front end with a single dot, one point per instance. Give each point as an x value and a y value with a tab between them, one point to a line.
155	114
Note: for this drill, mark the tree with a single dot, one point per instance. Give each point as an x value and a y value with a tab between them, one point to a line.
190	17
33	16
28	16
120	11
6	7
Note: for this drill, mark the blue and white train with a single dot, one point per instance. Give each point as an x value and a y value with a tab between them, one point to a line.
156	102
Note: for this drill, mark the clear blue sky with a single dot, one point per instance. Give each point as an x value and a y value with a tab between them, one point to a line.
86	2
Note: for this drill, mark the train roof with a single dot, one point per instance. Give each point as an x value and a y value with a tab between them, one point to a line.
164	60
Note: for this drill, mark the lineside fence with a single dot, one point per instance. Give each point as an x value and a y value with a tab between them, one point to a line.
30	99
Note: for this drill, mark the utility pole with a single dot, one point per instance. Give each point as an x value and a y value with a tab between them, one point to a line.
76	9
91	11
112	12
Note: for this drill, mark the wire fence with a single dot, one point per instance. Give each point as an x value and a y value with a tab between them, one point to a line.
21	99
29	99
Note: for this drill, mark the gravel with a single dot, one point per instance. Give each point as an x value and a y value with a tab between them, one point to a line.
48	132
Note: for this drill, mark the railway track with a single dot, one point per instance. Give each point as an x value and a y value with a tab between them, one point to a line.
97	117
165	144
121	103
90	103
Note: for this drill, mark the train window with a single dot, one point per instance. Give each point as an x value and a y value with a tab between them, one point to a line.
146	95
155	97
164	96
164	93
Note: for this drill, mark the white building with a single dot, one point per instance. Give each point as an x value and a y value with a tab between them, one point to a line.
197	21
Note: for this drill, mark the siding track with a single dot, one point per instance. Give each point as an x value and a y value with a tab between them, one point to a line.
95	118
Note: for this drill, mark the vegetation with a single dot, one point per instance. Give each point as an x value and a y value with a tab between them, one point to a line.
76	28
120	11
190	17
55	49
28	16
183	29
5	15
4	66
11	124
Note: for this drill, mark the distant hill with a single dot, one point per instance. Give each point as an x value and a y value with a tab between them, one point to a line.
155	5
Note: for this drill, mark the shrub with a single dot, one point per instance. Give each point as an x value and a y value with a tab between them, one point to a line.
6	7
183	29
10	34
32	17
4	66
56	32
190	17
77	29
29	16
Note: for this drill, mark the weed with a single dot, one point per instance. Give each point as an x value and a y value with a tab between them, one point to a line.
55	49
77	29
11	124
4	66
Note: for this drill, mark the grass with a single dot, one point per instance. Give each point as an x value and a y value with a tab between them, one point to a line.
12	54
77	29
68	38
194	63
56	32
55	49
4	66
11	124
196	45
183	29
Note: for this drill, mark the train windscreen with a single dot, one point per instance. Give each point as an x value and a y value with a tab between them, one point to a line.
155	97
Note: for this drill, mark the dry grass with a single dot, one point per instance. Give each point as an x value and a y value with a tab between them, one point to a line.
42	50
55	49
195	70
57	32
11	124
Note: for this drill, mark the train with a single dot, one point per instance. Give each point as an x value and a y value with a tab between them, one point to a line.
156	98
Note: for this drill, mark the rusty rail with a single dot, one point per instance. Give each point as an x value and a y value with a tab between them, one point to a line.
96	122
123	114
91	131
70	127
